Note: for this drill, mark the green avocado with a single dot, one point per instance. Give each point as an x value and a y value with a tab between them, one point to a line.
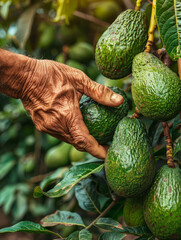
119	44
102	120
130	165
156	89
58	156
162	205
133	212
81	52
106	10
75	64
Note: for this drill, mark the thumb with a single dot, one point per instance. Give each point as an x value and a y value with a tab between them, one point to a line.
101	93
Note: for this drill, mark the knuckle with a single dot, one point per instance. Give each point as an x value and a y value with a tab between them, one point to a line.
80	142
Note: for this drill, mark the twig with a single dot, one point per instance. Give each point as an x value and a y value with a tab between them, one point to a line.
169	148
136	114
38	178
179	67
149	1
104	212
138	5
151	28
91	18
128	4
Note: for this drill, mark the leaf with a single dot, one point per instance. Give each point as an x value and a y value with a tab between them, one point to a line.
71	178
6	165
87	195
155	131
7	197
112	225
20	207
177	146
80	235
5	9
65	8
168	14
62	218
112	236
58	174
24	25
29	227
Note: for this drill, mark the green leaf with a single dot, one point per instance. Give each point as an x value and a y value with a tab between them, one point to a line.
7	197
87	195
65	9
71	178
168	14
108	224
29	227
112	236
6	165
176	121
58	174
155	131
80	235
112	225
5	9
177	146
24	24
62	218
20	207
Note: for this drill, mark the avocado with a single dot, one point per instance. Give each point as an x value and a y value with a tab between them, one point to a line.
81	52
106	10
76	155
133	212
102	120
162	205
130	165
58	156
120	43
156	89
75	64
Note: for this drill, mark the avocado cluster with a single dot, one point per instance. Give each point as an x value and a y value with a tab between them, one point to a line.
153	198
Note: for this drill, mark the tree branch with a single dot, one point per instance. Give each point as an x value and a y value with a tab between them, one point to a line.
91	18
104	212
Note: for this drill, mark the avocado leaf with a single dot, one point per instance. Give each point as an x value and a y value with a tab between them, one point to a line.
168	16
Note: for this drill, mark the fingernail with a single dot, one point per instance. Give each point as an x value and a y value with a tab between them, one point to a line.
115	98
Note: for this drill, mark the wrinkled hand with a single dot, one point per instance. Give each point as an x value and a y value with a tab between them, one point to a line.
51	95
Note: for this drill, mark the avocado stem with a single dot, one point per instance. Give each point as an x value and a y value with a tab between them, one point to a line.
152	27
169	147
179	67
136	114
138	5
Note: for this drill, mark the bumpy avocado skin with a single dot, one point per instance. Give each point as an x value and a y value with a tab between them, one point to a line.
130	165
102	120
156	89
162	205
133	212
118	45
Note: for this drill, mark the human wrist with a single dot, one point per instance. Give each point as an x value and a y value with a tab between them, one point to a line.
14	71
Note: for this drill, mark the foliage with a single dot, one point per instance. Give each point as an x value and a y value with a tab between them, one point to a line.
71	197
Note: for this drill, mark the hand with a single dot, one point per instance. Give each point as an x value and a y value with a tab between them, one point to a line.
51	95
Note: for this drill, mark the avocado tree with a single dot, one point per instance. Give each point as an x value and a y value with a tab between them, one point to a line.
136	190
